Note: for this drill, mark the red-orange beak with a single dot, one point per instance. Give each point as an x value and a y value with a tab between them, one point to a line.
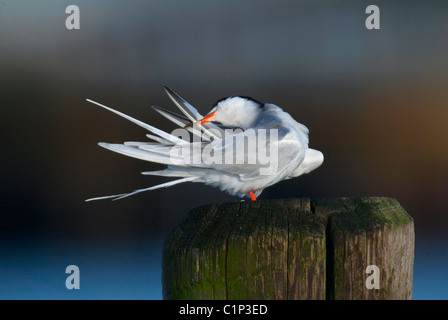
207	118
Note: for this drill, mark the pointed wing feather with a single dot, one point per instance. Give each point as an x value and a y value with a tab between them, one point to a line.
191	113
181	121
178	119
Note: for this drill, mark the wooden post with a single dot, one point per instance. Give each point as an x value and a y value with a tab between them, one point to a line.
292	249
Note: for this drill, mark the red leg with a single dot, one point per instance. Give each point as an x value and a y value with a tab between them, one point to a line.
252	196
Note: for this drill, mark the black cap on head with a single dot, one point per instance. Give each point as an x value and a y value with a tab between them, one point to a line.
260	104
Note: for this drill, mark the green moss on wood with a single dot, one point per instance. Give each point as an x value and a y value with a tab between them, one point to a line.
278	249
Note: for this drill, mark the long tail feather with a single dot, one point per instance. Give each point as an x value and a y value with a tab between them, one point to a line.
158	139
163	185
146	155
168	173
165	148
148	127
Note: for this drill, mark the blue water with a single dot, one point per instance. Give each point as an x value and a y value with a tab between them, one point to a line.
115	271
431	270
133	270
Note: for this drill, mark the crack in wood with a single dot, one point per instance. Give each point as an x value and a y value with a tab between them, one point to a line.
290	249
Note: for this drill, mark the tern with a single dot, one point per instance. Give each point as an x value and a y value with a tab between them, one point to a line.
214	157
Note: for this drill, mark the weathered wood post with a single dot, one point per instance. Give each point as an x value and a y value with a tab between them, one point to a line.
292	249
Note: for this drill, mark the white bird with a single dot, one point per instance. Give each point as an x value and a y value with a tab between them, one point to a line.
230	119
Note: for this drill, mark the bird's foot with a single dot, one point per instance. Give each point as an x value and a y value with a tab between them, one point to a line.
252	196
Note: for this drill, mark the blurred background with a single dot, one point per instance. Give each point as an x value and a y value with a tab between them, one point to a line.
375	102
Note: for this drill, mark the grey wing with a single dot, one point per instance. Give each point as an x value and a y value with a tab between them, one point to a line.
249	155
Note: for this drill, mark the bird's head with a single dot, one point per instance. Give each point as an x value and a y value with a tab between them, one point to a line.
235	111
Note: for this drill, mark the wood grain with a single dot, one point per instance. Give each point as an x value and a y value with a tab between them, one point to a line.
290	249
